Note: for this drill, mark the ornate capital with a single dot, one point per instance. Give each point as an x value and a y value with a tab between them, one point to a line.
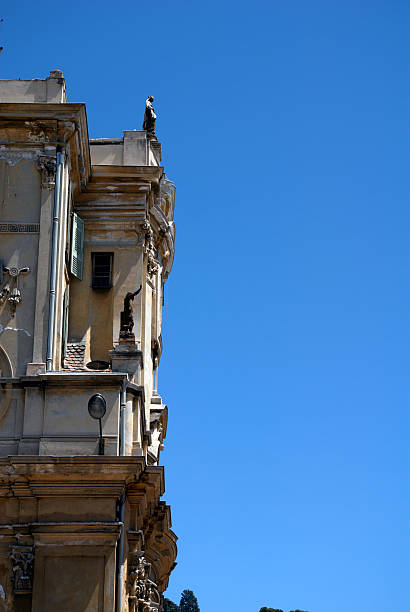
10	291
22	558
47	167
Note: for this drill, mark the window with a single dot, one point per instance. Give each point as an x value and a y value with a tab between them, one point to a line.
102	270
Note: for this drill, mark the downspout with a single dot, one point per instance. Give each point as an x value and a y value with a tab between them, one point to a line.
53	265
120	576
123	405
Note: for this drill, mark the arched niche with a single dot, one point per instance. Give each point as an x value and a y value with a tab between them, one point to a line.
6	369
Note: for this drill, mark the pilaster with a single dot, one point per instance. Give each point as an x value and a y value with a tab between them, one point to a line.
47	169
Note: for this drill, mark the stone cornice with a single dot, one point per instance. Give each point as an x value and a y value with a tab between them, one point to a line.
81	379
32	126
146	173
76	477
23	464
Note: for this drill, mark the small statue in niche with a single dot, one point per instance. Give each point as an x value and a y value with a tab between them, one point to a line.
149	117
127	320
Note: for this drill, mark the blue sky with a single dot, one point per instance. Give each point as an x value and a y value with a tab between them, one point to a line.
285	126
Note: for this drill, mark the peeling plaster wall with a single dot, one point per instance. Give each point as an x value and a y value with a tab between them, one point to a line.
20	203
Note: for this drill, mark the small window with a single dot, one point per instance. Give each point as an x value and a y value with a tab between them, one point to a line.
102	270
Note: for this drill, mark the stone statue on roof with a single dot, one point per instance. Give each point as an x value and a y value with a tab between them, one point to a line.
149	116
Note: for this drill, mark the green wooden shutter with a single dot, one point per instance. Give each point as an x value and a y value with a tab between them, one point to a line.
66	301
77	246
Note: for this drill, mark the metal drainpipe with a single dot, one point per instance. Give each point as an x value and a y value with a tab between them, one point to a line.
123	404
121	557
53	272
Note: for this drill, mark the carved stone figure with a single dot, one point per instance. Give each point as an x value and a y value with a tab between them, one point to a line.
23	561
142	592
133	588
149	117
156	439
149	250
127	320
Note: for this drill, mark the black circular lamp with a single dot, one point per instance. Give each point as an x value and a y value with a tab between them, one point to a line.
97	407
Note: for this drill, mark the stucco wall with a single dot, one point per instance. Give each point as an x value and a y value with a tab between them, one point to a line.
20	205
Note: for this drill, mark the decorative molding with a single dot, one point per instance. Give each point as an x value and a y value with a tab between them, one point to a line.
37	131
14	157
22	558
19	228
46	164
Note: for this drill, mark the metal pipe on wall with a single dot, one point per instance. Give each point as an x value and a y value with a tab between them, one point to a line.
53	263
120	576
123	405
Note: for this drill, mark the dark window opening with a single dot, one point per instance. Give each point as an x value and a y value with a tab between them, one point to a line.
102	270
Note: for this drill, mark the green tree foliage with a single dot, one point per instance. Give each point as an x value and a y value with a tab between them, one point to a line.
169	606
189	602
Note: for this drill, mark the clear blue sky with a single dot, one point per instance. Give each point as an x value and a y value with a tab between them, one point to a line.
285	126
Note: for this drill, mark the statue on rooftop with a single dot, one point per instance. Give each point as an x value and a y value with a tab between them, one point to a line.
149	116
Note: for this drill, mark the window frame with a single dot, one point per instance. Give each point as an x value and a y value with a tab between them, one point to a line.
95	284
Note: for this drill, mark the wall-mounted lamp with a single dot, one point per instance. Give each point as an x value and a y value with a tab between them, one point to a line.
97	407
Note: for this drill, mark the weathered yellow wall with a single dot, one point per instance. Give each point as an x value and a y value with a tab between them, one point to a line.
95	313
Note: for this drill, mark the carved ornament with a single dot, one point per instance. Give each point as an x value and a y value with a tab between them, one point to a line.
10	291
47	167
143	594
66	129
149	250
19	228
22	558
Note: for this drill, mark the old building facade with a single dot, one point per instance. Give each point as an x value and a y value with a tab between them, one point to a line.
86	245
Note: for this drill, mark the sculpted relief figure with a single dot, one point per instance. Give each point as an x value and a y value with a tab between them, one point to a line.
149	116
141	590
156	439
